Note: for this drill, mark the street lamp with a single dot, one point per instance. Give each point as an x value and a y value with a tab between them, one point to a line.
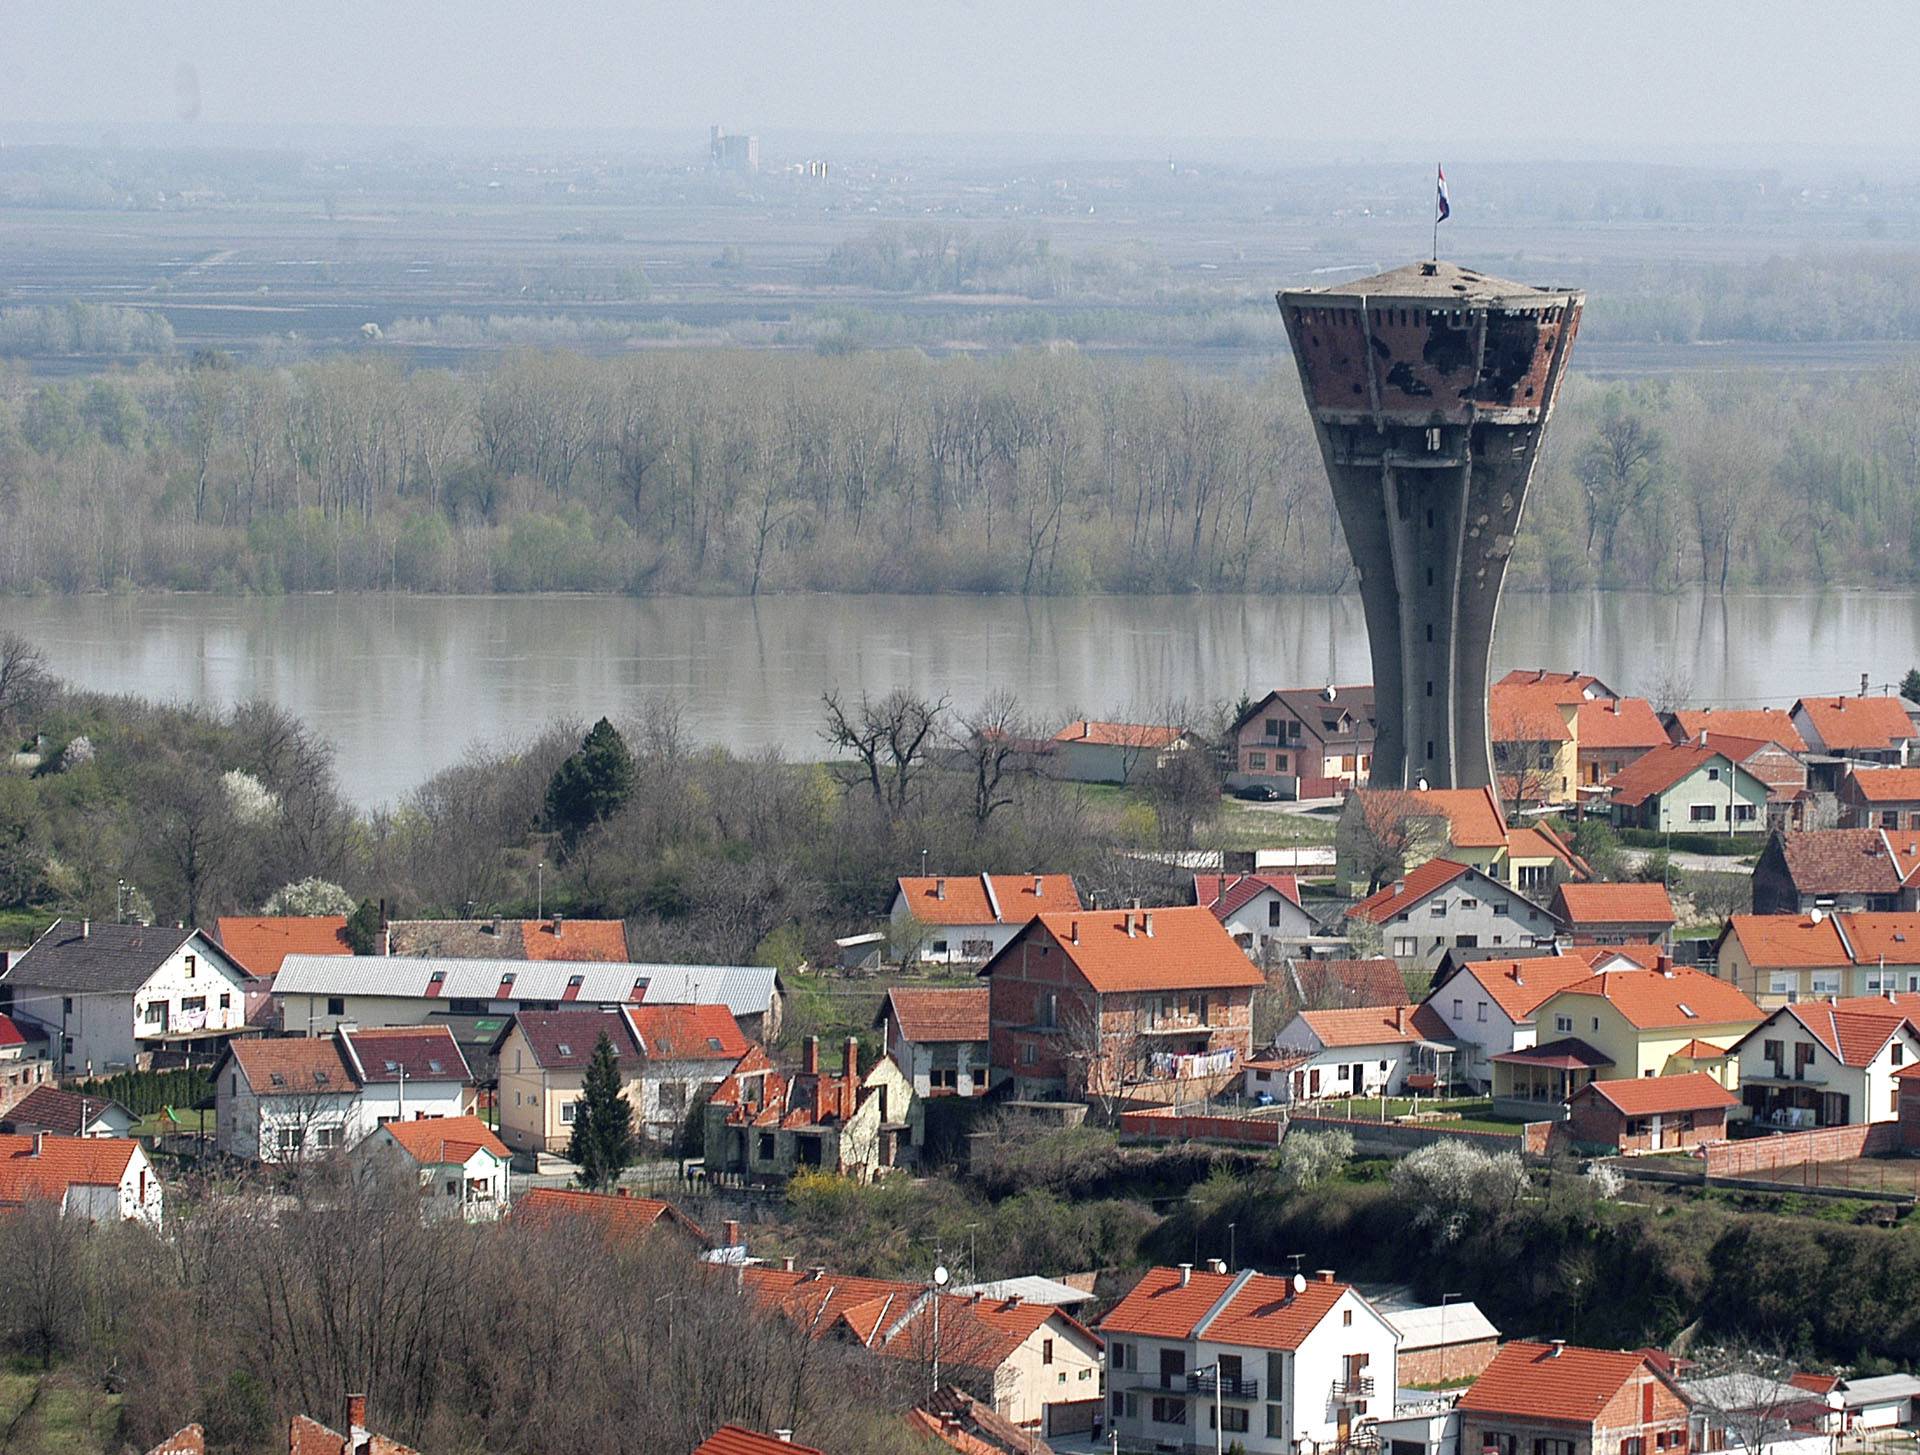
1233	1262
540	890
940	1280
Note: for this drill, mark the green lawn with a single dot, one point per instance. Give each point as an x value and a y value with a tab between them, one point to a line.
66	1418
157	1125
1472	1116
1239	825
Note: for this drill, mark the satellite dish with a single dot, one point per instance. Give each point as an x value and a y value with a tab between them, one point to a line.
1816	914
1422	784
1329	692
941	1276
1299	1283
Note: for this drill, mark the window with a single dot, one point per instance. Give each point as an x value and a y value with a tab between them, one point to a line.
1117	1354
156	1012
1169	1411
1346	1318
673	1098
1563	1024
1276	1423
1467	942
766	1147
1046	1351
286	1140
188	962
1713	775
1341	1072
1467	903
1480	1012
1899	1053
194	1005
336	1005
1027	1054
1273	727
977	949
1633	1445
1502	908
566	1113
326	1139
1743	813
1457	1008
1439	909
1233	1418
1256	762
1701	813
66	1005
1405	946
1554	1447
226	1000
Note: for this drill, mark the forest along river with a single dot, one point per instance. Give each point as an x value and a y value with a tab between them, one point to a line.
402	685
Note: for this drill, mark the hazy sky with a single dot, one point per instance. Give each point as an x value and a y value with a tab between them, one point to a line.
1635	78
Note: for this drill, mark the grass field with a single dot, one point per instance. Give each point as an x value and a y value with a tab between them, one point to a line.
51	1414
1238	825
1472	1116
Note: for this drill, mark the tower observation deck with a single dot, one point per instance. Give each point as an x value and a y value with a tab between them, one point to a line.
1429	388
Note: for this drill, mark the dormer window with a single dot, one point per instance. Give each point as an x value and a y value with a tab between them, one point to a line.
393	1068
574	982
433	1066
276	1078
438	977
713	1043
565	1049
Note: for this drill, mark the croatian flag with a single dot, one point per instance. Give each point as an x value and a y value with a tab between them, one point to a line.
1443	209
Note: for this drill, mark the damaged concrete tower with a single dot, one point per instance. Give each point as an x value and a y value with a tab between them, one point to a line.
1429	387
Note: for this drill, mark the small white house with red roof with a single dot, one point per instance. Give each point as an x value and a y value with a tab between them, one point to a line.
1202	1359
1828	1063
1087	751
1374	1050
1443	905
1865	729
1261	911
101	1179
460	1165
967	919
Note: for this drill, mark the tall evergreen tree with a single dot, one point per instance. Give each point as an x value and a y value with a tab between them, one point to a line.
602	1143
363	929
593	784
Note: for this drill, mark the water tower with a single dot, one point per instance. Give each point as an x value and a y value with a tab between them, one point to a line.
1429	388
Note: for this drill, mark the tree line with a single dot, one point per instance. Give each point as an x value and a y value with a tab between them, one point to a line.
744	472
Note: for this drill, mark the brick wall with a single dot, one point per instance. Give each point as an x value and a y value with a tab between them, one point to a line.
1446	1363
1791	1149
1910	1114
1165	1127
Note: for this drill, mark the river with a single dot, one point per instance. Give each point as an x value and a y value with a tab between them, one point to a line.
402	684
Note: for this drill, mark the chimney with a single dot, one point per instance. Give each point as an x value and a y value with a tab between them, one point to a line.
358	1437
785	1437
851	1073
86	928
1216	1265
786	1264
940	889
1146	923
1555	1347
1128	916
559	924
1399	887
1400	1019
1324	1275
1186	1274
39	1141
623	1192
386	939
810	1056
732	1226
816	1273
1037	886
1666	965
1073	931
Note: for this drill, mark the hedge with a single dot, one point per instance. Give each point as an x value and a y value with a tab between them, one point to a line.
1724	846
147	1093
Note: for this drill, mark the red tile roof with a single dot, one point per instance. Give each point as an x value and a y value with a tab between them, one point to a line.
1375	1025
976	1332
1566	687
612	1213
1264	1312
310	1437
1815	1383
949	1433
1474	814
1849	861
187	1440
564	1040
1563	1383
293	1065
739	1440
964	899
63	1162
1586	904
1789	941
939	1016
1527	714
818	1302
1619	722
1769	724
261	942
1408	890
10	1033
600	940
1888	785
439	1140
1854	1034
1179	947
1654	999
1638	1096
1857	723
67	1113
1538	841
1658	770
1338	983
1118	734
687	1033
1875	935
1699	1050
1647	957
1226	893
416	1053
1518	986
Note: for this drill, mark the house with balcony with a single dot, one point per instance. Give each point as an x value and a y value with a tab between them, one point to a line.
940	1039
1560	1399
1828	1063
1781	958
1305	742
1376	1050
1443	905
1864	729
1829	869
1486	1009
113	997
967	919
1088	1003
458	1164
1881	798
1200	1359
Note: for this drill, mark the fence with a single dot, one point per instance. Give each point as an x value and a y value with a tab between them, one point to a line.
1392	1139
1795	1149
1167	1126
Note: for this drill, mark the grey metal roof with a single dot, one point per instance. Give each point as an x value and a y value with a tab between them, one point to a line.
743	989
1430	1327
76	955
1030	1288
1880	1389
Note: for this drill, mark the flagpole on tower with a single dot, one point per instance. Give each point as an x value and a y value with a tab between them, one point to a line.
1442	209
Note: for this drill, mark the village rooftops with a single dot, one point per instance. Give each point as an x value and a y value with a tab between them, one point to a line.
295	1066
1655	999
307	1436
1181	947
743	989
1412	887
739	1440
1646	1096
1437	1326
1518	987
445	1141
1769	724
687	1033
1335	715
1341	983
341	1063
929	1017
405	1053
43	1166
1567	688
89	956
1376	1025
1253	1310
1569	1053
1618	722
261	942
563	1040
1560	1383
1857	724
1526	714
986	899
1591	904
1827	939
613	1213
970	1426
11	1034
553	938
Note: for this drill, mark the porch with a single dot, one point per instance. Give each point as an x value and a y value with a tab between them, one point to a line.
1536	1084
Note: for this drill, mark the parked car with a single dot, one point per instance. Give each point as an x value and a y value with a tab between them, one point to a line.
1258	793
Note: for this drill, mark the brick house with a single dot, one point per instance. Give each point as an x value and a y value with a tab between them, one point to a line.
1319	738
1651	1114
1866	729
764	1124
1559	1399
1880	798
24	1059
1443	1343
1093	1001
940	1038
967	919
1615	914
1873	869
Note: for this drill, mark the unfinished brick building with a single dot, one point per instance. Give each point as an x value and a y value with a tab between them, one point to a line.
1430	387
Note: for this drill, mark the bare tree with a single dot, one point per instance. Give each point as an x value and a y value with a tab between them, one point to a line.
889	739
1743	1393
25	684
993	742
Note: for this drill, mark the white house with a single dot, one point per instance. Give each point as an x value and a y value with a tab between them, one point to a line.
968	919
102	1179
1823	1063
1487	1008
1281	1366
111	996
1260	911
290	1098
318	992
939	1038
459	1163
1444	905
1372	1050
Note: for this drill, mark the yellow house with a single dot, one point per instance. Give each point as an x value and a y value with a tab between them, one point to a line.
1536	741
1466	825
1658	1022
